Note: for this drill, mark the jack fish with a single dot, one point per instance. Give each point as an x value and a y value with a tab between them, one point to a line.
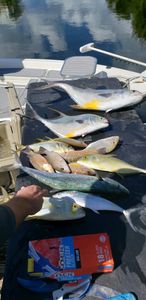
72	126
103	100
55	146
104	145
96	203
54	209
109	163
63	181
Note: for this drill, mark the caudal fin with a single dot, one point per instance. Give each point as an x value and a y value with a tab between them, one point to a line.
137	212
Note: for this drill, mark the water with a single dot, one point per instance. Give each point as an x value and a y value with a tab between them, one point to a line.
57	28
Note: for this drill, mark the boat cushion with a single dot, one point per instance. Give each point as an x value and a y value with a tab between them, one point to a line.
79	66
23	72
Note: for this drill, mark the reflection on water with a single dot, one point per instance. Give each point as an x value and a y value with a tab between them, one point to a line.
134	10
14	8
57	28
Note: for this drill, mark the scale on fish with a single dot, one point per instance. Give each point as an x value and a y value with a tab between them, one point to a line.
51	145
72	126
103	100
97	203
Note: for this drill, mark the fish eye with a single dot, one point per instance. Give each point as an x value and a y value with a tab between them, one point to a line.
75	207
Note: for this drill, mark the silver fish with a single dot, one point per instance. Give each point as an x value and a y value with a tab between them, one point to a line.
63	181
72	126
104	100
58	210
96	203
51	145
105	145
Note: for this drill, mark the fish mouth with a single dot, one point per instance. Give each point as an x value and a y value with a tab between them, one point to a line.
106	123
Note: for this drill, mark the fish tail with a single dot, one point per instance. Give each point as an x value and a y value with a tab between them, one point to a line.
135	211
19	147
127	214
58	111
37	117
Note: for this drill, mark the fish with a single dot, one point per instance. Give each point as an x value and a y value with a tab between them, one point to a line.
73	126
73	156
97	203
78	169
58	210
109	163
72	142
101	100
38	161
55	160
64	181
52	145
105	145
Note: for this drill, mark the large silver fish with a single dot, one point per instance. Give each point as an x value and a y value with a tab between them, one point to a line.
72	126
104	100
63	181
54	209
96	203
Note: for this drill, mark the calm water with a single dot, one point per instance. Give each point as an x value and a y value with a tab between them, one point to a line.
57	28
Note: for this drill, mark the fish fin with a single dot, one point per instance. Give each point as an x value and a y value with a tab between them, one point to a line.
58	111
108	110
95	211
76	106
139	210
36	116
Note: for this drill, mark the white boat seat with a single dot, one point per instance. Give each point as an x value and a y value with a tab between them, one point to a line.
23	72
79	67
53	75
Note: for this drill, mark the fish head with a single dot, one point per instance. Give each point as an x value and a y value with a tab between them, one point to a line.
103	121
63	208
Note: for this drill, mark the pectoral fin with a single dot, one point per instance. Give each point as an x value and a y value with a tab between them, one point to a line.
76	106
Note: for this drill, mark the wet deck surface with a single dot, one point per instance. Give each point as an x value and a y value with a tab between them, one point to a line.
128	247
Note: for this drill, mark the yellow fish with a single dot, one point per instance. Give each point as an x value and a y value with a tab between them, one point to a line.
109	163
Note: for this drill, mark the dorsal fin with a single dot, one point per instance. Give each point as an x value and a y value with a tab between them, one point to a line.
59	112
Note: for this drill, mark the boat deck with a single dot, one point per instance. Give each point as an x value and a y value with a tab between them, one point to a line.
128	247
